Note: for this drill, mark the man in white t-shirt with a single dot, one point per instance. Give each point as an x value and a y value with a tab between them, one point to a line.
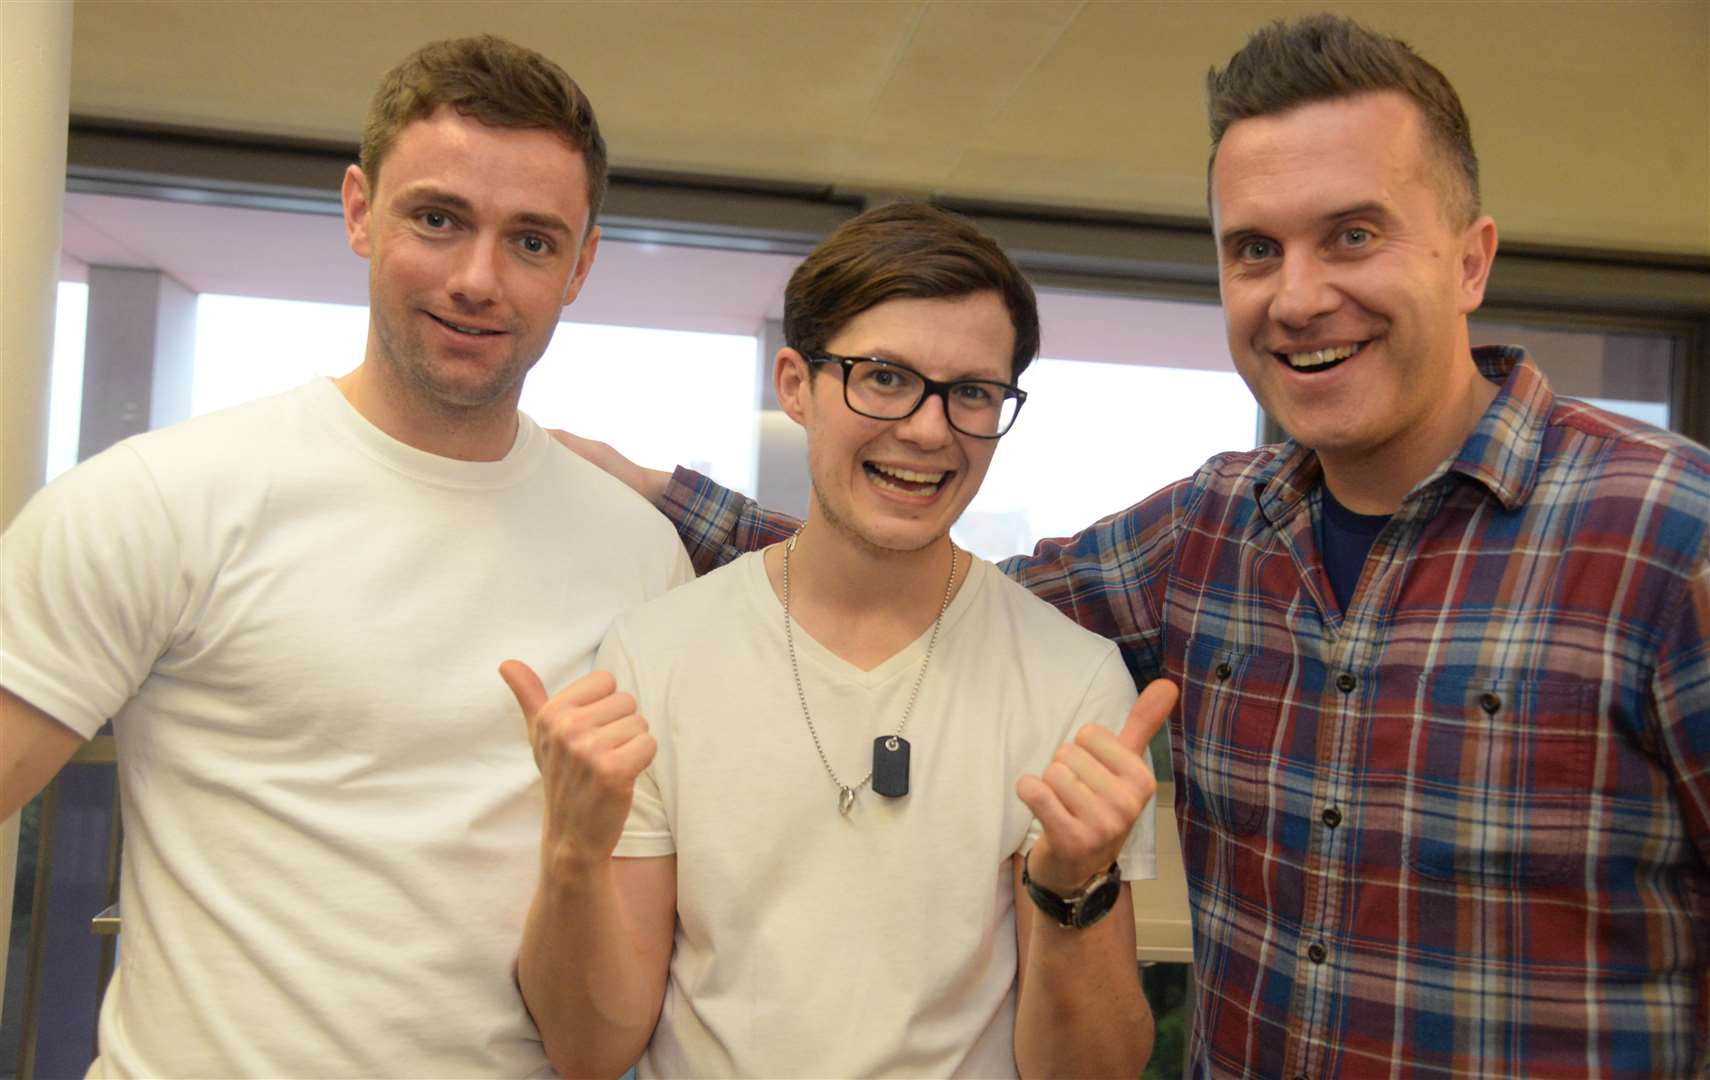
291	610
883	800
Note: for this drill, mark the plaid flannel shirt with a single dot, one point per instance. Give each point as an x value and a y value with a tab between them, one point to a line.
1462	828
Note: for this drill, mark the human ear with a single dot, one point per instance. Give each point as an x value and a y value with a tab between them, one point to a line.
357	204
584	263
792	379
1478	252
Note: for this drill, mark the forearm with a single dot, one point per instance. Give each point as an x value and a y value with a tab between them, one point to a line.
36	747
1110	578
1080	1010
581	972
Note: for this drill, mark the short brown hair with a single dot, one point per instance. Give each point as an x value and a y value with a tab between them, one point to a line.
904	250
492	80
1324	57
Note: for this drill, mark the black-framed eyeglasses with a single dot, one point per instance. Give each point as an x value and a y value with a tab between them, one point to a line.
887	390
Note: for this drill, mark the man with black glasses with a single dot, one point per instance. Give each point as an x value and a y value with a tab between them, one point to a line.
882	799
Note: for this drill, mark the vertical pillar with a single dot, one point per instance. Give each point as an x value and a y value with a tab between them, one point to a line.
138	356
781	481
35	95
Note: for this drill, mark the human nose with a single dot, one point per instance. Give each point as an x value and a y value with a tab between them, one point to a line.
1303	290
475	274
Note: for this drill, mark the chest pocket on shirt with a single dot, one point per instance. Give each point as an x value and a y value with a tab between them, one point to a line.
1499	791
1231	702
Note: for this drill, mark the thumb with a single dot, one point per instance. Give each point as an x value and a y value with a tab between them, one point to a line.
1148	714
526	685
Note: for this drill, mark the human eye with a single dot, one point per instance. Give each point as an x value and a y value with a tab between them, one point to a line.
978	395
1255	249
536	244
434	220
1355	236
885	378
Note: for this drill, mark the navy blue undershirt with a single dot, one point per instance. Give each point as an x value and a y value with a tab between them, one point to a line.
1345	539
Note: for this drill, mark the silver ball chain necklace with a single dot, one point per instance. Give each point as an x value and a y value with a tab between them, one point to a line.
889	774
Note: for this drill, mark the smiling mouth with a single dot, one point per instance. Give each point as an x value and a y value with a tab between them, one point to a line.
1319	359
467	331
906	481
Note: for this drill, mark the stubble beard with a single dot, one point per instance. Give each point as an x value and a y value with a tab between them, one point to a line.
836	523
404	353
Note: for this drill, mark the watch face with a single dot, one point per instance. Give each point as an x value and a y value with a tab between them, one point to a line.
1099	902
1085	907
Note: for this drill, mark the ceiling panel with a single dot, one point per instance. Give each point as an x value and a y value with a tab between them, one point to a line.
1592	118
944	96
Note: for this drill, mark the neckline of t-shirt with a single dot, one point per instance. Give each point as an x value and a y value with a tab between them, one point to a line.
905	660
1351	521
344	419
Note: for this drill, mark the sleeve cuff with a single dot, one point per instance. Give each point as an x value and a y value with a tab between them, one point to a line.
681	492
644	845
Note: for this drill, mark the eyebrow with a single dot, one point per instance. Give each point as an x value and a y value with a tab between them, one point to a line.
892	356
1370	208
549	222
533	219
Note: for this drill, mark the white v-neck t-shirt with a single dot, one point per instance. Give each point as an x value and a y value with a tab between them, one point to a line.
881	943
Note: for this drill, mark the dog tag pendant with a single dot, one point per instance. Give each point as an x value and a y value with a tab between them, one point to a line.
890	766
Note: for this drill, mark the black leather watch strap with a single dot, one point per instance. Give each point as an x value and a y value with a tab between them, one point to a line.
1085	907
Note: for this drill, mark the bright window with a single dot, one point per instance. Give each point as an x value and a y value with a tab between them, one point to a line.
656	395
247	347
1095	438
65	391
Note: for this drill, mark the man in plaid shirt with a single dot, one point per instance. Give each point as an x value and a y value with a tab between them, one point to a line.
1444	738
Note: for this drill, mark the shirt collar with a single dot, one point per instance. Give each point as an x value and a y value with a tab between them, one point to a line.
1502	453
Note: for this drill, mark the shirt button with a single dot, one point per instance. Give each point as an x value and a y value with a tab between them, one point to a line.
1224	671
1491	704
1345	683
1317	953
1332	817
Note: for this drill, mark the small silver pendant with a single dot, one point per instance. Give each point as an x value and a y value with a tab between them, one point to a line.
845	800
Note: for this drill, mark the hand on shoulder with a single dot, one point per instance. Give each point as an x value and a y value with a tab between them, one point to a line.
650	484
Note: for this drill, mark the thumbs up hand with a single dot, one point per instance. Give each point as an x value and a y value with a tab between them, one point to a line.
1092	793
590	745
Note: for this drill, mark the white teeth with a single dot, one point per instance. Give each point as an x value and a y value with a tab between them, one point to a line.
1320	357
893	478
910	475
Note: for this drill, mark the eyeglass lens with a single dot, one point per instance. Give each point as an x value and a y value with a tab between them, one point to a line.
887	392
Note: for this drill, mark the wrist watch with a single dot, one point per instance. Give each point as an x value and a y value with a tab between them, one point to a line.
1080	910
